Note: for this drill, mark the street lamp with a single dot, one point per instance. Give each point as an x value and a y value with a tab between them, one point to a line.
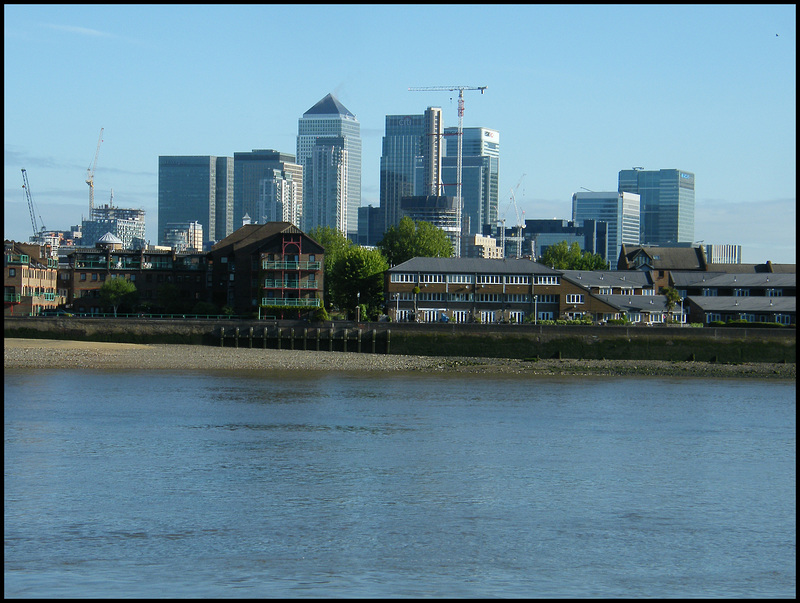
358	306
397	308
535	308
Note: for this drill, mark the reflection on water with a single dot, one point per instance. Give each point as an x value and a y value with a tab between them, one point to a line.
245	485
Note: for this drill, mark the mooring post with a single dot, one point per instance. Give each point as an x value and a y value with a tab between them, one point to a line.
236	338
305	338
222	337
318	339
330	339
279	338
388	337
264	343
358	345
291	339
250	336
374	331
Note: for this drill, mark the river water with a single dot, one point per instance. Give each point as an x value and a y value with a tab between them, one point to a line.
166	484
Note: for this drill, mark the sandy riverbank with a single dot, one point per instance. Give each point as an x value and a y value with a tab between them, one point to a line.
48	353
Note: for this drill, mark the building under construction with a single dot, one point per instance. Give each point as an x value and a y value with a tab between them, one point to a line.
126	224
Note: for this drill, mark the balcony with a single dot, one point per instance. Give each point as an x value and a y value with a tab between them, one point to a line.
292	302
17	259
13	298
91	263
267	265
284	284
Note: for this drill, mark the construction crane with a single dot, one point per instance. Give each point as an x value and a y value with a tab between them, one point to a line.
36	230
460	89
520	225
90	175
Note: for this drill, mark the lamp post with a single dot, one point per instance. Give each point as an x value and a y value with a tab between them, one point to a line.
535	308
358	306
397	307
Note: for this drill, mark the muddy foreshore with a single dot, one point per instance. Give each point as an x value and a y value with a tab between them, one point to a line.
61	354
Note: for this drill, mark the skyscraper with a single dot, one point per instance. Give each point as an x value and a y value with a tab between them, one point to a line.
329	119
250	168
480	169
277	200
667	204
196	188
620	211
328	205
411	160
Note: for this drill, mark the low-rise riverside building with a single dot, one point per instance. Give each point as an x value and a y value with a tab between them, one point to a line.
485	290
269	269
30	279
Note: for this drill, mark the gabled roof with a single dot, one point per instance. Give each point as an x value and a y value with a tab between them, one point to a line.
329	105
474	265
254	235
751	280
665	258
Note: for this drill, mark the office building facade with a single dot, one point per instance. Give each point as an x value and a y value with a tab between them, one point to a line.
250	169
411	160
278	199
667	204
620	211
326	120
480	169
196	188
128	225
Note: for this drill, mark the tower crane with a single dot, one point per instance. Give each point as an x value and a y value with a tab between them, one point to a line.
460	89
520	225
36	230
90	175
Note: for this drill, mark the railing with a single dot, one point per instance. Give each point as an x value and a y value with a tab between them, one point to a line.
277	284
14	298
91	264
267	265
291	302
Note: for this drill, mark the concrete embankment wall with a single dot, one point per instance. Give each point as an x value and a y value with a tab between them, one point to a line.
721	344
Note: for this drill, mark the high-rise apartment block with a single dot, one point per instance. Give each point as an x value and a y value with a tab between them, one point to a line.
328	120
196	188
667	204
327	186
250	169
620	211
411	160
480	168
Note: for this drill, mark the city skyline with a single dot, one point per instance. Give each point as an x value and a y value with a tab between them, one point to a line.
578	93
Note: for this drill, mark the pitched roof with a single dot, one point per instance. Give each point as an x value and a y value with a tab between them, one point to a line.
609	278
250	234
639	303
758	303
474	265
329	105
665	258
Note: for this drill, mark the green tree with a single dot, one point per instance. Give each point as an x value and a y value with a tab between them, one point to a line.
117	291
410	239
563	256
357	278
673	297
335	244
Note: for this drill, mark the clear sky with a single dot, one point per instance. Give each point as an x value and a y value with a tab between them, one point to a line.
578	93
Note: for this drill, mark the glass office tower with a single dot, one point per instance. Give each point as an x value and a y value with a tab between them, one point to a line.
667	204
327	119
411	160
480	168
620	212
250	168
196	188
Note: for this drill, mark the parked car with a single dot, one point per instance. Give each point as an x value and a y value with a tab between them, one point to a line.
57	312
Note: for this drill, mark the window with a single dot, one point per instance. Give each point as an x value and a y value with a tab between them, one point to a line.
431	278
774	292
459	278
403	278
102	277
547	299
12	272
741	292
94	276
517	280
709	292
83	276
574	298
546	280
489	279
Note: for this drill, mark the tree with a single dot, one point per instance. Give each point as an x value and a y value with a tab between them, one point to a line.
335	244
563	256
411	239
117	291
673	297
357	278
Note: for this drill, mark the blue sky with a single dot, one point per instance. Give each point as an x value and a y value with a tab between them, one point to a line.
576	92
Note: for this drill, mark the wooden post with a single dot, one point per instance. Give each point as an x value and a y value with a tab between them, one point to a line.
374	332
330	339
279	338
291	339
265	338
388	338
222	337
236	338
358	345
250	336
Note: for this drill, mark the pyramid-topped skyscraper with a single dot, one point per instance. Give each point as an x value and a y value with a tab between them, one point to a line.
329	149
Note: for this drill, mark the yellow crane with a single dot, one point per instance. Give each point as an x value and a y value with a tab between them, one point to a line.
460	89
90	175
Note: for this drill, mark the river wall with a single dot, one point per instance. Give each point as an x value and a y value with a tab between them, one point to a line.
708	344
